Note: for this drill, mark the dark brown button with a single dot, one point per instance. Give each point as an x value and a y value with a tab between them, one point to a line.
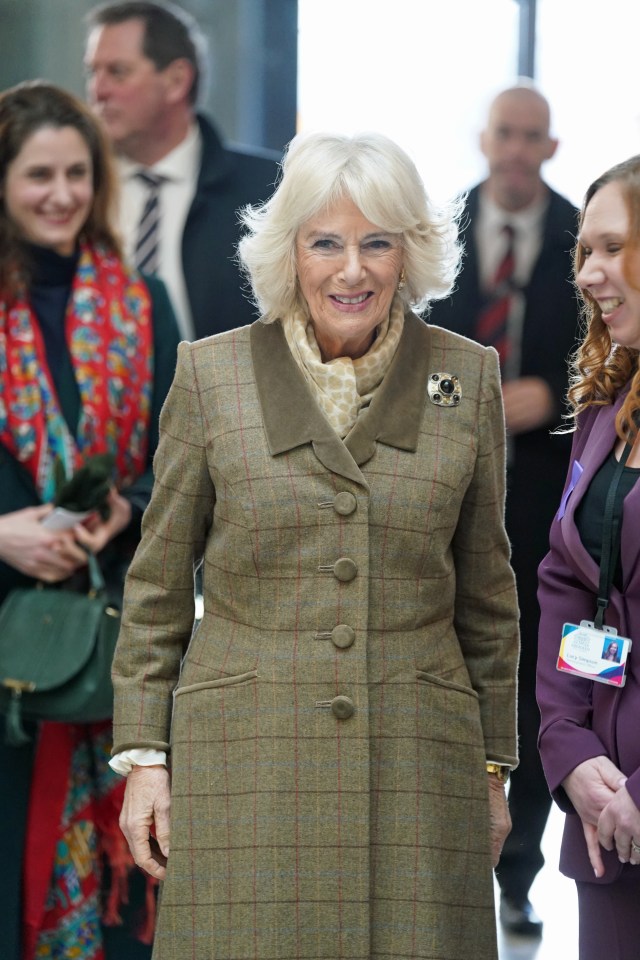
343	635
345	569
344	503
342	708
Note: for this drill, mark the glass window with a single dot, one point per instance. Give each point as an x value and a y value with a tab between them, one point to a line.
587	64
421	72
424	73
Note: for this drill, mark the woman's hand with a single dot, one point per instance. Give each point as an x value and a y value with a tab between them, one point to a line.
499	817
591	786
619	825
26	545
96	533
145	810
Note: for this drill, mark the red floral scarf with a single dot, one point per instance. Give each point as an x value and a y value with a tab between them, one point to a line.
109	335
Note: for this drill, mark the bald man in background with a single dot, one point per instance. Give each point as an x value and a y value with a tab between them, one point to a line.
515	292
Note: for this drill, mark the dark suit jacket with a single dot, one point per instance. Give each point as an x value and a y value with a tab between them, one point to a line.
582	719
229	179
549	333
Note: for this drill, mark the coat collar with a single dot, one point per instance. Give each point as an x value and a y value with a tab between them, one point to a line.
215	163
292	416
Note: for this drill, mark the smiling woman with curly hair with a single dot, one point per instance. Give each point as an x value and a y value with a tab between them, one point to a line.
589	737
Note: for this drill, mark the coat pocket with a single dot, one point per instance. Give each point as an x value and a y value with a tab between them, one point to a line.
220	682
212	717
447	684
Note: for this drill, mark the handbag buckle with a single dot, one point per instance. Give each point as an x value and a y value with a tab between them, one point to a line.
18	687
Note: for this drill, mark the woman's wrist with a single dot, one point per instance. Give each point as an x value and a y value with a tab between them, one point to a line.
499	771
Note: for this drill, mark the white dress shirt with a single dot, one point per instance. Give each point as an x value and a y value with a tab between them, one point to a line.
491	242
180	170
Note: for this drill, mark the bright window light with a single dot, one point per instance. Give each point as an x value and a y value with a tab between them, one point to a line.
424	72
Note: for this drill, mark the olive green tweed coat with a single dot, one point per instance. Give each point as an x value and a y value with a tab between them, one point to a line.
330	717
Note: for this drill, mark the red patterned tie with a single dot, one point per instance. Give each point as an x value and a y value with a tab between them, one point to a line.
493	318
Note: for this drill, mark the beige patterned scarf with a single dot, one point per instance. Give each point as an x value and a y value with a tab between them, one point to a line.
343	387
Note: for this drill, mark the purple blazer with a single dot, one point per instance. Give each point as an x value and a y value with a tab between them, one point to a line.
581	719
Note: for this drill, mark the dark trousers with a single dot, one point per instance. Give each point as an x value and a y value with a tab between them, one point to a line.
529	802
608	918
529	797
15	780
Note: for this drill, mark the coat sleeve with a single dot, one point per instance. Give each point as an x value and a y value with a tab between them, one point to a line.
166	338
486	609
158	614
566	738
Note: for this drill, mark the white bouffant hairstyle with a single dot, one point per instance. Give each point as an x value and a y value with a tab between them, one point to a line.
383	182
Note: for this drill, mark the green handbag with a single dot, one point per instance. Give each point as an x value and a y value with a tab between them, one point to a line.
56	649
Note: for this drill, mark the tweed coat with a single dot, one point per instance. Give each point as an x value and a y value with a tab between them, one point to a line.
354	666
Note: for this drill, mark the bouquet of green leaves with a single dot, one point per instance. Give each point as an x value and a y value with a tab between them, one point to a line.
89	486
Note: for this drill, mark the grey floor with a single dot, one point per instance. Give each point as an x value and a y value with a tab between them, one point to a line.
554	898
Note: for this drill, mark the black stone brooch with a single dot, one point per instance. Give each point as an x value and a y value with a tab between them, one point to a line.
444	390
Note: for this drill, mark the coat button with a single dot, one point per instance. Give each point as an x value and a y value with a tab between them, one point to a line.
345	569
344	503
342	708
343	635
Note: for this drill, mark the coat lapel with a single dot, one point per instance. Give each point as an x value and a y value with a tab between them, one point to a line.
395	413
630	539
597	447
290	413
292	417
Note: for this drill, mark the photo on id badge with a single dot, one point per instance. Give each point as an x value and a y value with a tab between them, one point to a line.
598	654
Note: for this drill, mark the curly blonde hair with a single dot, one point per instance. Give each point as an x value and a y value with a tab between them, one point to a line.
600	369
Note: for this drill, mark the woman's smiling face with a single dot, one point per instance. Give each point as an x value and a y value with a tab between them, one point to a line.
48	188
348	271
606	248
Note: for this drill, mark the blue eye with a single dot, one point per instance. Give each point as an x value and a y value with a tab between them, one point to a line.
324	244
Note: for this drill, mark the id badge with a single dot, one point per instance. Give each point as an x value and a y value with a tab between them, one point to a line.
595	654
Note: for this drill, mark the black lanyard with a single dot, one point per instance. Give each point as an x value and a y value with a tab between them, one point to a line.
611	534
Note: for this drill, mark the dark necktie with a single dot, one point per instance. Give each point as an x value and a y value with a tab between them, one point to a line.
148	238
493	319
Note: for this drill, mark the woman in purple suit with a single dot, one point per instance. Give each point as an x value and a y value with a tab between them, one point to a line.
590	734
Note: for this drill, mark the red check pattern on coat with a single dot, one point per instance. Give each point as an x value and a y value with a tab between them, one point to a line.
297	831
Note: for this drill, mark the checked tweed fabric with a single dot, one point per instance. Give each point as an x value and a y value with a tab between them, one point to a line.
355	662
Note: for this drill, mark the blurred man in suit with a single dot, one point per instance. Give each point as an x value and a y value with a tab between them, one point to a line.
181	186
515	292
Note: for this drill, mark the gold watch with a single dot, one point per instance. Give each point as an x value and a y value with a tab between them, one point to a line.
499	770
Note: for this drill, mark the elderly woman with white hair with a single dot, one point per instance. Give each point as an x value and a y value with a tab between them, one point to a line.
326	751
